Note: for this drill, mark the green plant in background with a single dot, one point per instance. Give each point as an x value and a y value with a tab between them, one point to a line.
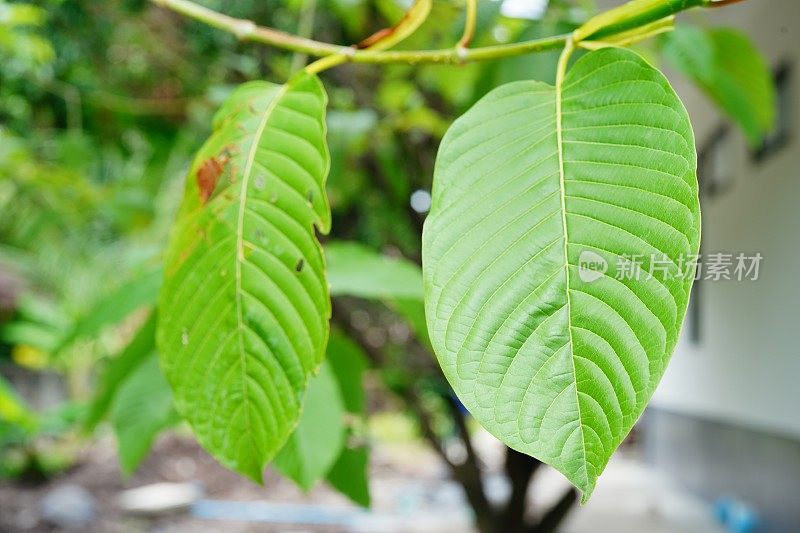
597	156
34	445
526	180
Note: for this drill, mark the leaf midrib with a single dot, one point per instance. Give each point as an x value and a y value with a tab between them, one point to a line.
560	74
247	173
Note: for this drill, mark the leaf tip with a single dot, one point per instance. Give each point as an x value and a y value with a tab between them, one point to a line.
586	493
252	468
585	483
255	475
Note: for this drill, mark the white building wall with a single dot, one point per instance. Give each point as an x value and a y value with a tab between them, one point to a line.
746	367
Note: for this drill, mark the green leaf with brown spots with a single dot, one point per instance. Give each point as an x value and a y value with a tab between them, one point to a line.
243	314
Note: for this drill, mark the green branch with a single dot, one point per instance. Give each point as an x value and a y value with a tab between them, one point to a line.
247	30
634	14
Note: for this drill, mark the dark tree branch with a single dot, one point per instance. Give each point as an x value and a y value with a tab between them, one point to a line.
468	474
461	425
519	469
552	519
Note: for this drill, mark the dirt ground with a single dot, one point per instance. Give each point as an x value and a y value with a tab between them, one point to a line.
174	459
410	492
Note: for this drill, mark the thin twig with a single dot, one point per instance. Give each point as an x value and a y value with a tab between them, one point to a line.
386	38
720	3
247	30
469	24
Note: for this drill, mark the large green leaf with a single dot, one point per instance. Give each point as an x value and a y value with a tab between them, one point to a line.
318	448
528	180
141	409
243	314
319	438
348	363
133	389
120	368
732	72
357	270
349	474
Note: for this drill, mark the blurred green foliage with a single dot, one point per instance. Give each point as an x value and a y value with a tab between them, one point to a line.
102	105
101	108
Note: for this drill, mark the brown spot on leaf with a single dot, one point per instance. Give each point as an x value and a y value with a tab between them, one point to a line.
299	266
208	175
